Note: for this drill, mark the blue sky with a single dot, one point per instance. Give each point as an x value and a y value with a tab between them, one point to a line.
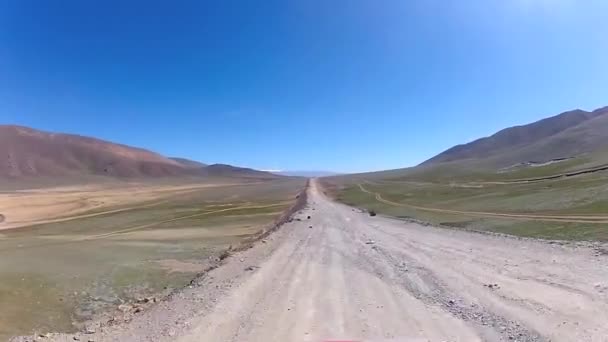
343	85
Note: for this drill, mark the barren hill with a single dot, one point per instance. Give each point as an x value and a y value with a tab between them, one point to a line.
561	136
189	163
27	152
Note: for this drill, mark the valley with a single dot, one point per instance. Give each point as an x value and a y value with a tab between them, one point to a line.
125	237
492	185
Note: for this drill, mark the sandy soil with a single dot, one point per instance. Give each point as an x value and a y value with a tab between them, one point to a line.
343	275
29	207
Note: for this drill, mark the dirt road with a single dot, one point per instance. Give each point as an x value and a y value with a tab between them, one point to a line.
343	275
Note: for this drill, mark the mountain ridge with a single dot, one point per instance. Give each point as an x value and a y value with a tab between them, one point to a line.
28	152
188	162
552	137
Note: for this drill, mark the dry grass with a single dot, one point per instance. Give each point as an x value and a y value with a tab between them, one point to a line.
57	274
36	206
566	208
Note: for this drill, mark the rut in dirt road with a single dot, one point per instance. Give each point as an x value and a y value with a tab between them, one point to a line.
343	275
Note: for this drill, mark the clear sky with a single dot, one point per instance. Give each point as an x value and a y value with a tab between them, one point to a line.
342	85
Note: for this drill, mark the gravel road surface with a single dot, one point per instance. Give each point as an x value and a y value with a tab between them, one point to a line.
344	275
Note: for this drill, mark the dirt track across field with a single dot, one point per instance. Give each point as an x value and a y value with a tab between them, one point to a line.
549	218
51	205
344	275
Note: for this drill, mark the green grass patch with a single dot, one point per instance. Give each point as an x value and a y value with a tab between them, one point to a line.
581	195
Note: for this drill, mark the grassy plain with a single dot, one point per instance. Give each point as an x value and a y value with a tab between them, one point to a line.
74	262
513	202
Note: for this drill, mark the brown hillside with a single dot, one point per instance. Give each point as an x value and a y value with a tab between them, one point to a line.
26	152
563	135
29	152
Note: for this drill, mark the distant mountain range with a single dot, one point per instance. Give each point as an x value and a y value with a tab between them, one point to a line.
30	153
562	136
308	174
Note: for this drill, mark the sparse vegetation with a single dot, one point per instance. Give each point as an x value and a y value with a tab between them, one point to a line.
548	179
461	202
68	271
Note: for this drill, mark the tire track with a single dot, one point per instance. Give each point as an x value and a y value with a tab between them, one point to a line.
531	217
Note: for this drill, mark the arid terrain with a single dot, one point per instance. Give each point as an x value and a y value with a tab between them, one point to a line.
495	240
88	225
46	205
304	171
71	254
346	275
